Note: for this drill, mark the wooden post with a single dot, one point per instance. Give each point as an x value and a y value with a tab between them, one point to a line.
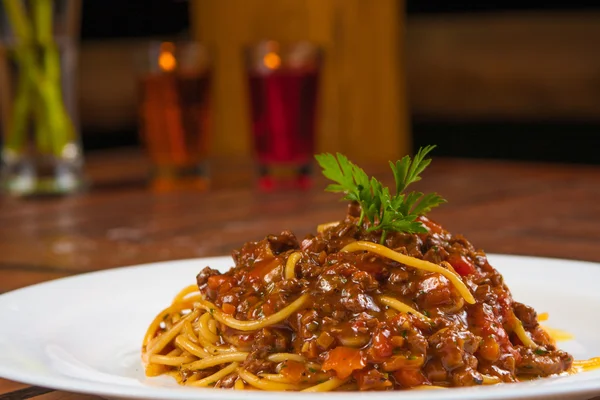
362	110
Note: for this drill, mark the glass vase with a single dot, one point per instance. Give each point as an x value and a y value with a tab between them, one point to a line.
41	149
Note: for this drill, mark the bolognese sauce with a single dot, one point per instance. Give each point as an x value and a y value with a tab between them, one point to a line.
353	323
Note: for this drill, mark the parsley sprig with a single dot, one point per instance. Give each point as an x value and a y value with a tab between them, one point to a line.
385	211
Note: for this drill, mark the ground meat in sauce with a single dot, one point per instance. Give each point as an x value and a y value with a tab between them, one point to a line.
203	276
462	346
526	314
228	381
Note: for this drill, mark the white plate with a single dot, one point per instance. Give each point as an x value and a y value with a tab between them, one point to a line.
83	334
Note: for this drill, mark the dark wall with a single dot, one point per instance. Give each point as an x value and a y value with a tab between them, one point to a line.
116	19
111	19
440	6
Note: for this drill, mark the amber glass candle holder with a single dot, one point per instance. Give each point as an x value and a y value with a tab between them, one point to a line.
174	113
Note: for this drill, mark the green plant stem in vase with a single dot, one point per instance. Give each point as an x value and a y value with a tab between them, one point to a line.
41	151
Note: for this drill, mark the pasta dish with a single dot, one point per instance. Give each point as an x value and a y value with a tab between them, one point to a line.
356	306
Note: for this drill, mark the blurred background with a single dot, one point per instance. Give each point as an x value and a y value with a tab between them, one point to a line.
495	79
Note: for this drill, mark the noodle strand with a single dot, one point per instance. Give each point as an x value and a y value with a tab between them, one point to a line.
212	379
216	360
524	336
327	386
169	360
204	330
190	347
280	357
290	265
413	262
184	292
264	384
253	325
400	306
164	339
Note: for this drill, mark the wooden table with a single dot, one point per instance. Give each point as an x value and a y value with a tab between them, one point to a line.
502	207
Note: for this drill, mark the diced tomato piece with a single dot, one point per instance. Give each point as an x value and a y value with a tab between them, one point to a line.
262	268
294	371
272	304
228	308
382	347
410	377
433	227
344	360
489	324
461	264
217	280
489	349
267	308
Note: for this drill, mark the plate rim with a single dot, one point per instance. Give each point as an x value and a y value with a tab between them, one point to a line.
79	385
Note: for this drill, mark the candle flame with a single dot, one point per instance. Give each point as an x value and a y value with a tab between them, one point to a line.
166	59
271	60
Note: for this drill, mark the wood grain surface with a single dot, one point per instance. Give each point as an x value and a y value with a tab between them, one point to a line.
502	207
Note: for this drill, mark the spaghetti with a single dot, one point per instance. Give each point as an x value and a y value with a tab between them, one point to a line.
338	311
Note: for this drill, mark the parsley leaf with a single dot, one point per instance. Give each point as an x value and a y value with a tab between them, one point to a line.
350	179
384	211
406	171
